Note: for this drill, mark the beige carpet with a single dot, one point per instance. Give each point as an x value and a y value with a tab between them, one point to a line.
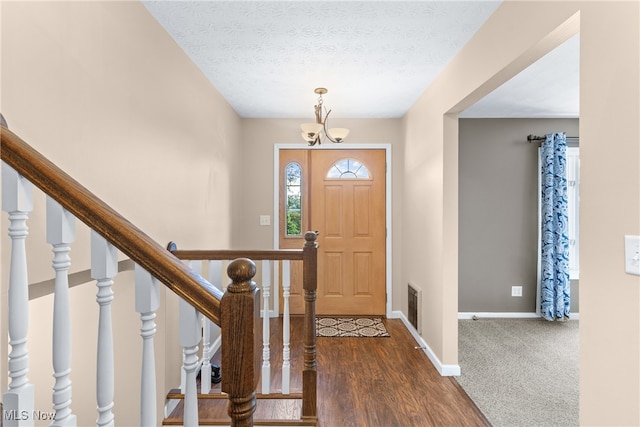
350	327
521	373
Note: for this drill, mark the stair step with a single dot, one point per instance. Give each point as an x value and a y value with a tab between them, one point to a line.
275	409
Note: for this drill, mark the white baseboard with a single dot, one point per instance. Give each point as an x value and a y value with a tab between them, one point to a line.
169	406
495	315
506	315
214	347
444	370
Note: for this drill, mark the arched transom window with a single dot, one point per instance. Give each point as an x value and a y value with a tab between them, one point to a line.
348	169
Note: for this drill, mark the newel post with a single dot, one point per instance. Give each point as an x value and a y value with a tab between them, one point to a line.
241	358
310	285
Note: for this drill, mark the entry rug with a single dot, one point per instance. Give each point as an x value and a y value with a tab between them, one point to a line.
350	327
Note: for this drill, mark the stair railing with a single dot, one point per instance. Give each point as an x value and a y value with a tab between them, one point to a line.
272	263
22	168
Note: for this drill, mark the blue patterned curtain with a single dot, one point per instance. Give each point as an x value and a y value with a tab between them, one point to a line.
555	239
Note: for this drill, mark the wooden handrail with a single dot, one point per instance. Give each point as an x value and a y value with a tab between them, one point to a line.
117	230
226	254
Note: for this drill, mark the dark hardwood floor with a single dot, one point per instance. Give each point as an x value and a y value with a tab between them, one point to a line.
362	382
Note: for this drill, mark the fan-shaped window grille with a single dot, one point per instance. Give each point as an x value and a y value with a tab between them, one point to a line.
293	203
348	169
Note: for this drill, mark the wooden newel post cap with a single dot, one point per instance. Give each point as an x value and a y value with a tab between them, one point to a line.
241	271
310	237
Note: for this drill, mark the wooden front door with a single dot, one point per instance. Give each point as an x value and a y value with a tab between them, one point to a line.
345	203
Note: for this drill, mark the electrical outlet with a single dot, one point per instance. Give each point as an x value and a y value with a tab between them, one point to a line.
516	291
265	220
632	255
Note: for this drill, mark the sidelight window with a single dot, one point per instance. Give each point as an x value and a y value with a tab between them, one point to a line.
293	202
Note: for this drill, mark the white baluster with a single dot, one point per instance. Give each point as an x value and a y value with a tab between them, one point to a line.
205	362
215	278
215	273
17	201
104	267
266	334
60	233
196	266
225	277
147	302
190	335
276	291
286	330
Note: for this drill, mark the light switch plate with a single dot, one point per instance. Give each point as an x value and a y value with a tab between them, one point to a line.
632	255
265	220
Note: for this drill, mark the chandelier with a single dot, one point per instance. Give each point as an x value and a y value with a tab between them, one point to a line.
312	132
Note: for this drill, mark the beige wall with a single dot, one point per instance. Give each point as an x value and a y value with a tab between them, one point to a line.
610	343
259	137
105	93
610	208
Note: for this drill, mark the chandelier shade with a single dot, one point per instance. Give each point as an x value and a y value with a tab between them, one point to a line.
311	130
339	134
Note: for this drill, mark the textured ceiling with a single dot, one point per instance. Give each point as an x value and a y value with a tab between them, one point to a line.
375	57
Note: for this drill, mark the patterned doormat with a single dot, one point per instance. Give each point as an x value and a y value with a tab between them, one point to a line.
350	327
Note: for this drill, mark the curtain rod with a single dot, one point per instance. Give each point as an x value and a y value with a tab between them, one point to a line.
531	138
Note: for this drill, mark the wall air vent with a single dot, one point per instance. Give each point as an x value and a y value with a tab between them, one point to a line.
414	297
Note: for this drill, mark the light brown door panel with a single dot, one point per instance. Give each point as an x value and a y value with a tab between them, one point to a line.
301	157
350	216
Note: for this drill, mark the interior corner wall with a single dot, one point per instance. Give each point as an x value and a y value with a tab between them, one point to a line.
498	223
610	157
609	210
104	92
